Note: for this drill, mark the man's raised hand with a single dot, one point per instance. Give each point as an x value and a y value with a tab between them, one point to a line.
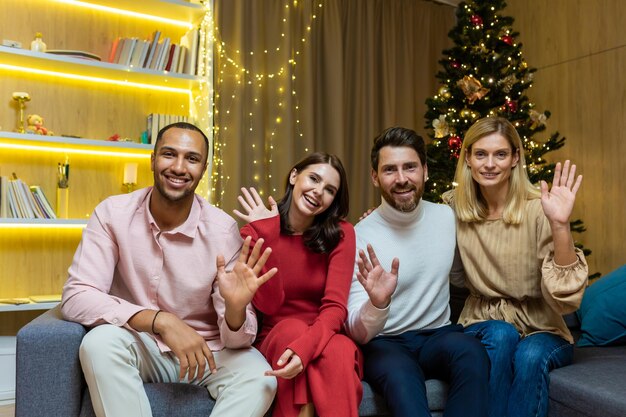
238	286
378	283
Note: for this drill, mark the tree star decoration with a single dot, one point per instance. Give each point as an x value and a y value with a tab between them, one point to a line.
441	127
472	88
538	119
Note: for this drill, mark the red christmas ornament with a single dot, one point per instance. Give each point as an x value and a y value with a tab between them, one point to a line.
507	39
455	143
454	64
510	106
476	20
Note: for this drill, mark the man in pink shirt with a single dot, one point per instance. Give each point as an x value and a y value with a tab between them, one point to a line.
163	279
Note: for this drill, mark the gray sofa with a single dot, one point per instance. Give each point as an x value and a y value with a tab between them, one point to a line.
49	380
594	385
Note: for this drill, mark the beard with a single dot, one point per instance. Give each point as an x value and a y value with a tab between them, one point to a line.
404	205
169	196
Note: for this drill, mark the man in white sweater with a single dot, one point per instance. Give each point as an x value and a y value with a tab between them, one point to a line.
398	308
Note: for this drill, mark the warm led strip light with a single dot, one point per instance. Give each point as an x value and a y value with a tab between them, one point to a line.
31	224
93	79
127	13
73	150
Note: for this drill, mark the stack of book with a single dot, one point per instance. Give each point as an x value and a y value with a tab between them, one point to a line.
18	200
156	122
157	53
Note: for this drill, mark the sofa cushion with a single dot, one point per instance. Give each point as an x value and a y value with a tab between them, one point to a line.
192	400
592	386
602	313
171	399
374	405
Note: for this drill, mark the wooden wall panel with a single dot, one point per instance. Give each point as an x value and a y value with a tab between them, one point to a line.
579	48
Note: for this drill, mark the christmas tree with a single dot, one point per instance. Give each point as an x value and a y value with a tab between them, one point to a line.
484	74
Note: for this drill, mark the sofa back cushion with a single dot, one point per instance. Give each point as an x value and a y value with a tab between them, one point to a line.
602	312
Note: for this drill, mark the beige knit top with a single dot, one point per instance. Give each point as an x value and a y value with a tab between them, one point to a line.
511	274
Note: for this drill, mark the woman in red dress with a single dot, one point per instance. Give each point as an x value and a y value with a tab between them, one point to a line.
303	307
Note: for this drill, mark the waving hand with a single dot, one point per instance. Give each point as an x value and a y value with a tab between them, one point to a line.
558	202
238	286
378	283
254	207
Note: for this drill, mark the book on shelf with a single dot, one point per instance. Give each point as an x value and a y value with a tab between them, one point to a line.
139	53
114	50
127	51
4	204
163	54
153	45
170	57
190	41
41	199
181	59
156	121
157	53
29	201
155	58
20	207
18	200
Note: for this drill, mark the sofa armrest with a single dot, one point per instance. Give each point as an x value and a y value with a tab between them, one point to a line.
49	379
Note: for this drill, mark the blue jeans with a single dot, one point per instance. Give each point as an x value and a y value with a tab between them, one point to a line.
397	366
520	367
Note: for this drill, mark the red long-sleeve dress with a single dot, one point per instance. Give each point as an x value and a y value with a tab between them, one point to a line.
303	308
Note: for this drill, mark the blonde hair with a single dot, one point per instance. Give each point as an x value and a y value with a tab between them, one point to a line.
469	203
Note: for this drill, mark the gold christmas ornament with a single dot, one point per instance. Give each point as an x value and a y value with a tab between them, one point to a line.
466	113
472	88
444	91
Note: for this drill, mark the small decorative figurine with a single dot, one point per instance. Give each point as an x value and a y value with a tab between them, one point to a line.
38	45
35	125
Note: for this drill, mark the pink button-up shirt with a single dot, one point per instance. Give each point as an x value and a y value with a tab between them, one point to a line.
125	264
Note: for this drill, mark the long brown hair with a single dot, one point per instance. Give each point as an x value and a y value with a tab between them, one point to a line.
325	233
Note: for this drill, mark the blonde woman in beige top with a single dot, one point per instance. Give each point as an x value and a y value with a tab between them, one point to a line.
522	268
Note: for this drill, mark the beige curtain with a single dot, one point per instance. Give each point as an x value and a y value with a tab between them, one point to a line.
293	77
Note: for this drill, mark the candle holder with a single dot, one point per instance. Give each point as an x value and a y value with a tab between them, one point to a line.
63	202
21	98
130	176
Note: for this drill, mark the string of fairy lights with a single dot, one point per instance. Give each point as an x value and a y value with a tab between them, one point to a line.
232	68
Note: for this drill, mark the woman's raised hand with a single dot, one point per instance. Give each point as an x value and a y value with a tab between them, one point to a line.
251	202
558	202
